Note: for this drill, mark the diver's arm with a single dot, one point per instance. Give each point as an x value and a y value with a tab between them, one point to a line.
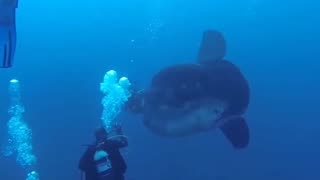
119	141
86	158
116	137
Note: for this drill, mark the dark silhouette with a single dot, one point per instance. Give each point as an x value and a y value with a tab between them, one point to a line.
184	99
103	160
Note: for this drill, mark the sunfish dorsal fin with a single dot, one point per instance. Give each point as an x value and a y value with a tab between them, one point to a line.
212	48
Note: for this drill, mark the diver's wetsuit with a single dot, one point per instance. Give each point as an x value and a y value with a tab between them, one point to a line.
112	147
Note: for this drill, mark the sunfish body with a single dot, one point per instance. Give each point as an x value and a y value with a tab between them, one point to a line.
186	99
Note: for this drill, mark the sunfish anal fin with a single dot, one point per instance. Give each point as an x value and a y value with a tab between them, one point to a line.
236	131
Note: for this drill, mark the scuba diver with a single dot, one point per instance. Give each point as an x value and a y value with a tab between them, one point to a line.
103	160
7	32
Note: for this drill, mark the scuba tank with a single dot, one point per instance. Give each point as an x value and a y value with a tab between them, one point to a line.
103	165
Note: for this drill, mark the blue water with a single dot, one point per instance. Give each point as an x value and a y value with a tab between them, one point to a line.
65	47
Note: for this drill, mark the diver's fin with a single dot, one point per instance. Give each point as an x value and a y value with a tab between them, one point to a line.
212	48
7	33
6	52
236	131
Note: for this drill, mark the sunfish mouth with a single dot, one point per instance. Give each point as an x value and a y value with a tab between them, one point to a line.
191	117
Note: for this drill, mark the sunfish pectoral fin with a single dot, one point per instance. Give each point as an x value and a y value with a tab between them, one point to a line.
236	131
212	48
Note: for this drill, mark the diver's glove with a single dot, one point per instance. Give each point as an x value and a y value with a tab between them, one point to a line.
7	32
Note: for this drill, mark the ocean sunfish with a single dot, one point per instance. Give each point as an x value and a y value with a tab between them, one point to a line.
186	99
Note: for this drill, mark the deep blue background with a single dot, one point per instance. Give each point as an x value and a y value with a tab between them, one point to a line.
65	47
